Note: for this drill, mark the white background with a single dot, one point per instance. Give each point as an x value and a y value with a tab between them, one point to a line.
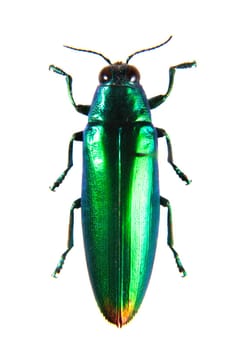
37	120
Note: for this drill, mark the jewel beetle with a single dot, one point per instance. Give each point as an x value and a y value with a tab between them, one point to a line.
120	200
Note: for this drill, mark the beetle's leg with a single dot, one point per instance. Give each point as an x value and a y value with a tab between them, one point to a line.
84	109
76	137
76	205
170	241
157	100
162	133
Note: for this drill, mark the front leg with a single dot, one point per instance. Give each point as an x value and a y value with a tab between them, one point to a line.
76	137
157	100
84	109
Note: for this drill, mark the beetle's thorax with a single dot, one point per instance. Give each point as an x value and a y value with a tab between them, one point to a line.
119	98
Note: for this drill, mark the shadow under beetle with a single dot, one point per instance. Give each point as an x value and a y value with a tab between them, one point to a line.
120	201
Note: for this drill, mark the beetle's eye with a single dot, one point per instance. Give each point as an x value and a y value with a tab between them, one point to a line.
133	74
133	78
105	75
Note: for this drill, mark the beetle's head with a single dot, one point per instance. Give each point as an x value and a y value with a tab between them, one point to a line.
119	73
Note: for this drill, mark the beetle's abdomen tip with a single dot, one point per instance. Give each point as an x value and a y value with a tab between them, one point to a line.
119	317
118	320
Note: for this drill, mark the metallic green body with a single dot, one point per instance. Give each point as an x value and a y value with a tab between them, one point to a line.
120	198
120	188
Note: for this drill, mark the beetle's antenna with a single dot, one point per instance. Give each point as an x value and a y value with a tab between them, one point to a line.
90	51
151	48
